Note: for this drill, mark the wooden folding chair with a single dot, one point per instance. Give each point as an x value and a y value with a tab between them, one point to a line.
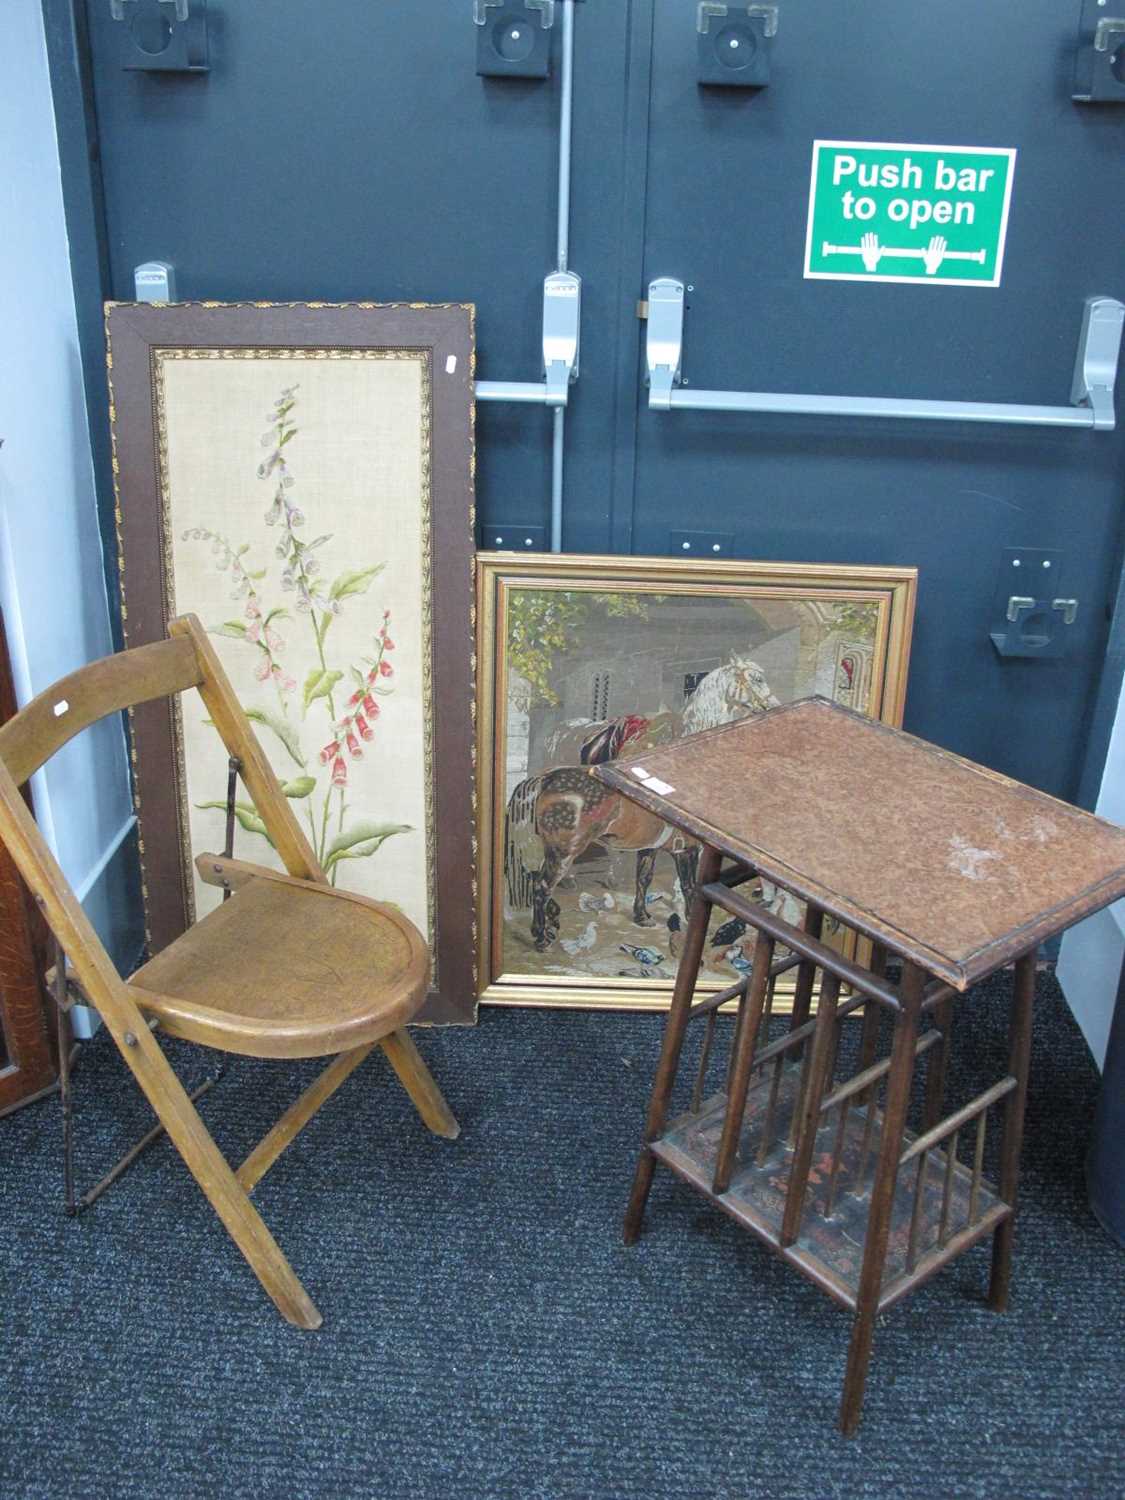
287	967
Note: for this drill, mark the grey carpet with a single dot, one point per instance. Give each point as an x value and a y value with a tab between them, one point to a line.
486	1333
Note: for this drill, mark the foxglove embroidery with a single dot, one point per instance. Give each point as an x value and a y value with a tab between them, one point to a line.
350	733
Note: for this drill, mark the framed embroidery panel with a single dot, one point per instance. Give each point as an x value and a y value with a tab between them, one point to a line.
300	476
583	658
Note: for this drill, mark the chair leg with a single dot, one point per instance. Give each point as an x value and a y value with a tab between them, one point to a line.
418	1082
212	1172
298	1115
66	1095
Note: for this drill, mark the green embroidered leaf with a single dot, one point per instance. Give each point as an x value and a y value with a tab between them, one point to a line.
362	841
233	628
318	684
322	626
284	731
246	815
280	613
355	581
301	787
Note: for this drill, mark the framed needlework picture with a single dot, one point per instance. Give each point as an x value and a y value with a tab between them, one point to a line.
581	659
300	477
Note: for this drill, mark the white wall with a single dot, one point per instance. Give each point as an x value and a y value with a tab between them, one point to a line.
52	586
1090	958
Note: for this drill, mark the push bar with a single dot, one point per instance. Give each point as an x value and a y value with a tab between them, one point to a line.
527	391
1092	392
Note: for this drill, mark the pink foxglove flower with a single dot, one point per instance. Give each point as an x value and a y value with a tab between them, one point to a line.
385	669
329	752
339	772
355	749
365	730
262	670
370	707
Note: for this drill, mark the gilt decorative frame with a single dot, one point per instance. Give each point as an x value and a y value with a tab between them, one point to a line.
582	658
347	430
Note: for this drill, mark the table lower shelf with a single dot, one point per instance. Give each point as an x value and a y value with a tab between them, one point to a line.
829	1249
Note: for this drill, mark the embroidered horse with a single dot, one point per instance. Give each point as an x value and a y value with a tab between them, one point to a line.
587	743
728	693
573	810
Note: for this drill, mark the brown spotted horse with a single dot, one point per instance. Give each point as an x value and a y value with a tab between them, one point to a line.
572	810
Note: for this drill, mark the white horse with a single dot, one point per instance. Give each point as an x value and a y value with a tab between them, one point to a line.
728	693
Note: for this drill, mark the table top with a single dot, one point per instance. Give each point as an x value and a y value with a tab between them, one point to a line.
950	864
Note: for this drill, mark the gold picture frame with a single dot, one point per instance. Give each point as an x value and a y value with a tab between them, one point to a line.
582	658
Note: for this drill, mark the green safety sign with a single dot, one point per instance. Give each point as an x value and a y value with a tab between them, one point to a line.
889	212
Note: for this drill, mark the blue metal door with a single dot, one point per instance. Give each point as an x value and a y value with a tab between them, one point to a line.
345	151
728	175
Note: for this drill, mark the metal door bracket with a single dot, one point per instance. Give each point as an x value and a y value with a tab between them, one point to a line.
1099	65
701	543
505	537
163	36
514	41
736	51
1031	623
1092	392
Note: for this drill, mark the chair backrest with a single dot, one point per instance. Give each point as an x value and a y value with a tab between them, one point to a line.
104	687
187	659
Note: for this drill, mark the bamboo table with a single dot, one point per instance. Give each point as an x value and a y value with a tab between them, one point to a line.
943	866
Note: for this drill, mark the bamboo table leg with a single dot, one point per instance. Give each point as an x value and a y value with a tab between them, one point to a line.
937	1065
690	958
899	1080
806	973
1019	1065
743	1058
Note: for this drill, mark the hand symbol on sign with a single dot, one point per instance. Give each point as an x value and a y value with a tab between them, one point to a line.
870	250
934	254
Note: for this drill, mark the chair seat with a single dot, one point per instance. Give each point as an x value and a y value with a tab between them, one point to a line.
288	968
